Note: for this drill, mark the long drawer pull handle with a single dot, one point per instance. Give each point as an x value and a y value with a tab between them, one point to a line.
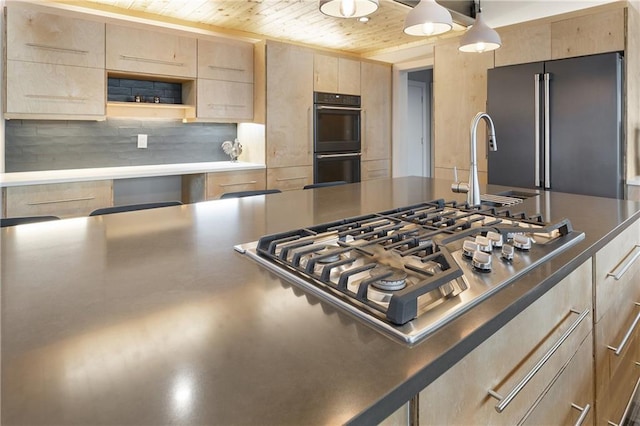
620	348
291	178
626	410
151	60
226	105
584	412
66	200
58	98
624	266
214	67
505	401
251	182
58	49
384	169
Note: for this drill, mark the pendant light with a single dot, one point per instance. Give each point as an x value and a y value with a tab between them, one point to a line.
348	8
428	18
480	37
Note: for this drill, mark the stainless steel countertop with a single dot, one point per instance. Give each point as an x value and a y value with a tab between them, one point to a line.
151	317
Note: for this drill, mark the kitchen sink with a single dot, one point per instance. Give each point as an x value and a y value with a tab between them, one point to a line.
506	198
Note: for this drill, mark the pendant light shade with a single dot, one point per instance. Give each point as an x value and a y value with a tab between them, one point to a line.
428	18
480	37
348	8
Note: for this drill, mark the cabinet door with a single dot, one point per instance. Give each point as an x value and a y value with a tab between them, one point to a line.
225	60
150	52
376	111
59	199
587	35
54	90
223	182
336	75
35	36
225	100
289	127
288	178
524	44
375	169
460	396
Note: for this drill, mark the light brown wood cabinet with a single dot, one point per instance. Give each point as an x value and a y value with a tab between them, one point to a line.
375	169
376	111
143	51
524	43
336	74
225	80
289	178
55	66
210	186
289	126
58	199
461	395
588	35
459	93
617	332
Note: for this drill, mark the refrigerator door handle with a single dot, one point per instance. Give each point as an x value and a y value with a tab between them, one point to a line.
536	168
547	134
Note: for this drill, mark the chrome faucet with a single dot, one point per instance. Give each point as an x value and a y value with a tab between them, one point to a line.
473	188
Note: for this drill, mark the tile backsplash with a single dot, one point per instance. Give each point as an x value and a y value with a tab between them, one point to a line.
36	145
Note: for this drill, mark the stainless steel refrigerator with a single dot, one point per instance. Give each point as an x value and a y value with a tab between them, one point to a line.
559	125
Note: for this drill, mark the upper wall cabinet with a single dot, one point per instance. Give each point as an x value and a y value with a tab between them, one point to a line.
135	50
226	60
336	75
225	80
55	66
36	36
587	35
523	44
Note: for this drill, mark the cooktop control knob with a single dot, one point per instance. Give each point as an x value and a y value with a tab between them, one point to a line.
495	238
481	260
521	242
468	248
507	252
484	244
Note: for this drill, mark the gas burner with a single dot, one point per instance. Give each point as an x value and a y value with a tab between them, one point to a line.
392	279
326	250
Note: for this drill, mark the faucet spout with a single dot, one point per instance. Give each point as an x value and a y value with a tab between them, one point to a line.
473	196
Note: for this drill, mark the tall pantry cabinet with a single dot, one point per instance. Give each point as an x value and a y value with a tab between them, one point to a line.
289	124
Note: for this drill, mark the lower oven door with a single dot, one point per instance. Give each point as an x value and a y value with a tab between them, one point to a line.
335	167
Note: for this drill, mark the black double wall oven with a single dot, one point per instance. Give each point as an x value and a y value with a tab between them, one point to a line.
337	137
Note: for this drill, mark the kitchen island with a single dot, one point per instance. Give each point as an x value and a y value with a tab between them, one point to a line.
151	317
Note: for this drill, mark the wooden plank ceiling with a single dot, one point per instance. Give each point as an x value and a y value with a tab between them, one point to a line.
297	21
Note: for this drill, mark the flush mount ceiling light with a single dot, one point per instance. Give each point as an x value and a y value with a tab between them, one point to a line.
348	8
480	37
428	18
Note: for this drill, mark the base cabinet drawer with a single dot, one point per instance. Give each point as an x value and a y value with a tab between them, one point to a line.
224	182
518	364
375	169
59	199
569	401
288	178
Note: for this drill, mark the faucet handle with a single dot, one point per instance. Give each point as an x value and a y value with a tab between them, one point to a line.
457	186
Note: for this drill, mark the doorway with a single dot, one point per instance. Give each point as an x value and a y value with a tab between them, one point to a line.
413	148
419	122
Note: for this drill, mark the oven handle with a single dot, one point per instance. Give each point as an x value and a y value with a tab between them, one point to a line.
321	156
338	108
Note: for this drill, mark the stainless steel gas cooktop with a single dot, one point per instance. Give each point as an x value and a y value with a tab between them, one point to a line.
410	270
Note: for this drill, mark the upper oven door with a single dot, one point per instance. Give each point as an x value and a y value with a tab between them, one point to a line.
336	128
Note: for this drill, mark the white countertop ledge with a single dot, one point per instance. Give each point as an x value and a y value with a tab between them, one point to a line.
634	181
126	172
